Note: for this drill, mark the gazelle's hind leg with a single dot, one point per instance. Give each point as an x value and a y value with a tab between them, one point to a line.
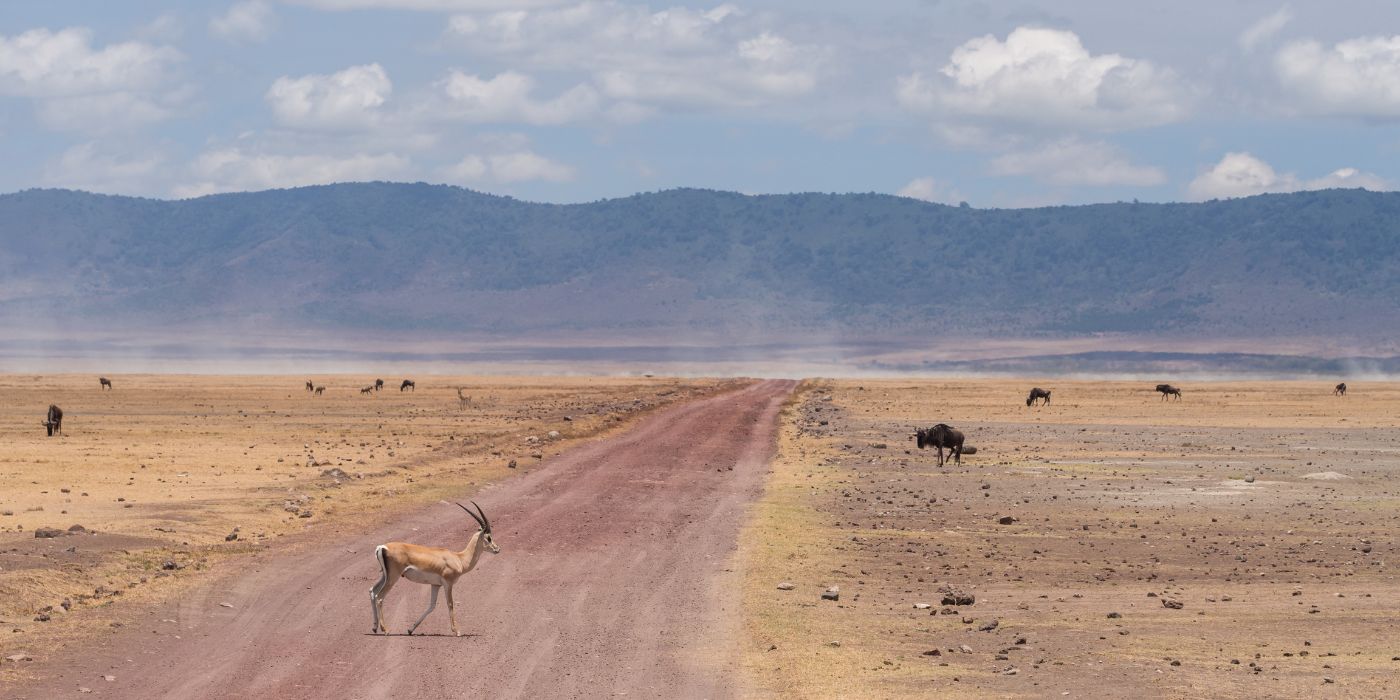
380	590
432	603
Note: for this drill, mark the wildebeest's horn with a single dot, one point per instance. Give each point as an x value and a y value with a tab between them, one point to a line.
486	522
479	521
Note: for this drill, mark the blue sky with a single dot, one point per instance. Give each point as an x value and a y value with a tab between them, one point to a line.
999	104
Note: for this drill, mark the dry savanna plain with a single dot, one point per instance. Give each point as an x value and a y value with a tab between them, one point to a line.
168	477
1238	543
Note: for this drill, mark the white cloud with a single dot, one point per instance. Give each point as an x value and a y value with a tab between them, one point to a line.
1046	78
507	98
42	63
234	169
1358	77
677	57
1241	174
349	98
246	21
1073	162
86	166
428	5
1265	28
929	190
507	168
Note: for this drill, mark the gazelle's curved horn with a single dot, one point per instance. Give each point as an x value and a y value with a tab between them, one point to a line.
479	521
486	522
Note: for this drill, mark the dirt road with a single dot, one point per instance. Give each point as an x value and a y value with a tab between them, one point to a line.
612	580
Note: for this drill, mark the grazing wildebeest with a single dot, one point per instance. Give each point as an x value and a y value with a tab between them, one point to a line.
104	383
1038	393
1340	389
54	421
1169	390
310	386
378	384
939	437
408	384
320	390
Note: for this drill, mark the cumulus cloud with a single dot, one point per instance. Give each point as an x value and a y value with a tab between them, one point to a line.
88	166
508	98
1265	28
247	21
1241	174
348	98
234	169
1046	78
1358	77
674	57
929	190
43	63
507	168
1074	162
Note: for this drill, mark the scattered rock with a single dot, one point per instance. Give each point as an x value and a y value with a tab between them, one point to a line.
922	606
1006	520
1114	615
989	626
171	565
77	530
933	652
1172	603
511	464
1249	479
786	586
16	658
965	649
50	533
833	593
958	598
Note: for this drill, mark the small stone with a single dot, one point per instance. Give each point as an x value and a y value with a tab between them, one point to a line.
1114	615
1327	679
1176	662
16	658
922	606
1172	603
1006	520
989	626
171	565
833	643
786	586
511	464
965	649
933	652
109	679
833	593
225	605
50	533
1249	479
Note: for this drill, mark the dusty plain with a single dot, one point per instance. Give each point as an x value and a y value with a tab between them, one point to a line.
174	475
1238	543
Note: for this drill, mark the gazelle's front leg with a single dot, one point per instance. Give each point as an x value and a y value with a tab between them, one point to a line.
432	603
452	612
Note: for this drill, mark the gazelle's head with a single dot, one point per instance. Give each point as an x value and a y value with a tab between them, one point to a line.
485	527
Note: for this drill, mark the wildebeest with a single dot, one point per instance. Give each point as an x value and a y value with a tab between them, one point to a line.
54	421
1038	393
320	390
310	386
378	384
1340	389
367	390
104	383
939	437
408	384
1169	390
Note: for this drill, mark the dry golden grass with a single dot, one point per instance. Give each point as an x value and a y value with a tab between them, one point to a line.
166	467
1120	501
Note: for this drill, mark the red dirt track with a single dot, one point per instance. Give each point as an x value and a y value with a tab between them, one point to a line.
611	580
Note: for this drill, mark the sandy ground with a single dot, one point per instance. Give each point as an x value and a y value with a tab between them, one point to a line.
613	579
1239	543
176	476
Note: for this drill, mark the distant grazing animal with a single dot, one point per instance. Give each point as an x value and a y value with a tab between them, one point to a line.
1340	389
310	386
367	390
435	566
463	400
378	384
104	383
408	384
1169	390
1038	393
54	421
320	390
942	436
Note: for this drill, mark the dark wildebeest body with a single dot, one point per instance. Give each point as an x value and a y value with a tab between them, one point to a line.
54	421
320	390
1038	393
310	386
378	384
942	436
367	390
1169	390
1340	389
408	384
104	383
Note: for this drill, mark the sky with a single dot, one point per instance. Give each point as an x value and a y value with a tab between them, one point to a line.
998	104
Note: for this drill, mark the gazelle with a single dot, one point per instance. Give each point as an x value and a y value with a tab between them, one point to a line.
434	566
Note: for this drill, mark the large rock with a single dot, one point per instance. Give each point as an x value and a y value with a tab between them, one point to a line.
50	533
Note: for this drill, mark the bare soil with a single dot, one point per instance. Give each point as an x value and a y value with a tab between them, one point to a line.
615	578
1239	543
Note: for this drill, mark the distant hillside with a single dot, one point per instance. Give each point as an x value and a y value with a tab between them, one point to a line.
406	257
